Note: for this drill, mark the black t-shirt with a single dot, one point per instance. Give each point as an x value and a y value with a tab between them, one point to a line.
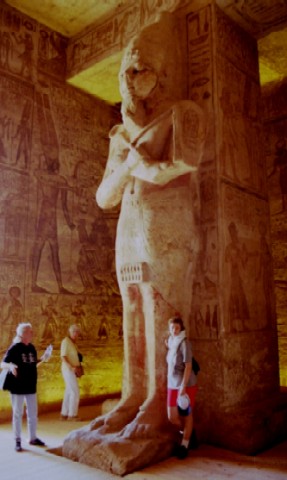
25	357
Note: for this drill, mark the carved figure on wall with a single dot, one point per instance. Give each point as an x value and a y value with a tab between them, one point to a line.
236	255
6	47
152	155
229	139
50	331
103	331
13	209
51	185
26	54
78	311
265	271
280	163
23	132
15	313
5	124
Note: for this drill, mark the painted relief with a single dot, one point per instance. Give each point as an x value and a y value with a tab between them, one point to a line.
199	78
204	310
258	15
237	45
248	301
17	44
241	135
104	39
51	53
51	185
11	312
56	247
15	123
113	34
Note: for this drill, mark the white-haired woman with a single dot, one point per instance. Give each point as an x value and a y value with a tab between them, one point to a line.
21	360
70	370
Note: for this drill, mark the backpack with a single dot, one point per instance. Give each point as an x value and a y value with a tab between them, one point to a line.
194	365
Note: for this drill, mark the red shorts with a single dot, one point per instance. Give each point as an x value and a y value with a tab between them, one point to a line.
172	395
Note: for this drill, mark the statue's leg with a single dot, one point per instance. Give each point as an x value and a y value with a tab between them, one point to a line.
134	376
151	420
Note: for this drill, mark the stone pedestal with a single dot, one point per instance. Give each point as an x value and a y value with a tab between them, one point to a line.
114	453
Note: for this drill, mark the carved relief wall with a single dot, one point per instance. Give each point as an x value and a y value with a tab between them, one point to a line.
56	246
233	291
204	310
245	256
275	114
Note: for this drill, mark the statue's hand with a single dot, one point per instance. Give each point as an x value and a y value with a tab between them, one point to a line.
132	159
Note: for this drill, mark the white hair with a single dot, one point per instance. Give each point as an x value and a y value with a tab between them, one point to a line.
74	328
20	330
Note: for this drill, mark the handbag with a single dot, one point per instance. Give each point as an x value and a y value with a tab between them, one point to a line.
79	372
6	379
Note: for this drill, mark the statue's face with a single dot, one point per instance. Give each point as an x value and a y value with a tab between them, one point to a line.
137	80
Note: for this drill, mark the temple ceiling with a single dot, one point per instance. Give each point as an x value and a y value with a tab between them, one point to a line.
264	19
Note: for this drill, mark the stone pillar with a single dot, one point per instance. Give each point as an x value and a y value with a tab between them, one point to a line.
232	321
231	296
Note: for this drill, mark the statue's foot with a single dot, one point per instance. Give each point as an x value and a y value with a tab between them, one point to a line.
149	423
117	419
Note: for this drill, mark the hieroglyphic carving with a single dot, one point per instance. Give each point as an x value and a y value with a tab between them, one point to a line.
204	311
52	185
17	43
241	134
199	56
114	33
11	313
15	122
257	16
236	45
104	39
51	53
44	123
246	257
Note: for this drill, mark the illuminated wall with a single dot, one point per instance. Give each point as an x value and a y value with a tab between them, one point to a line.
56	245
275	113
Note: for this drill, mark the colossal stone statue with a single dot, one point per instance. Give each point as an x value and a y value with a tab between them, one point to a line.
151	170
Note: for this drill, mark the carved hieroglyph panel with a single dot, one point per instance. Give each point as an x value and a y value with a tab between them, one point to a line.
199	74
113	34
70	149
257	16
241	153
248	302
16	114
28	49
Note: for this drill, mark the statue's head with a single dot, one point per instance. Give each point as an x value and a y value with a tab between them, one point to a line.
149	68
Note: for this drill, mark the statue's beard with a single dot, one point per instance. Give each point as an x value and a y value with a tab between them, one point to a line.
133	110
